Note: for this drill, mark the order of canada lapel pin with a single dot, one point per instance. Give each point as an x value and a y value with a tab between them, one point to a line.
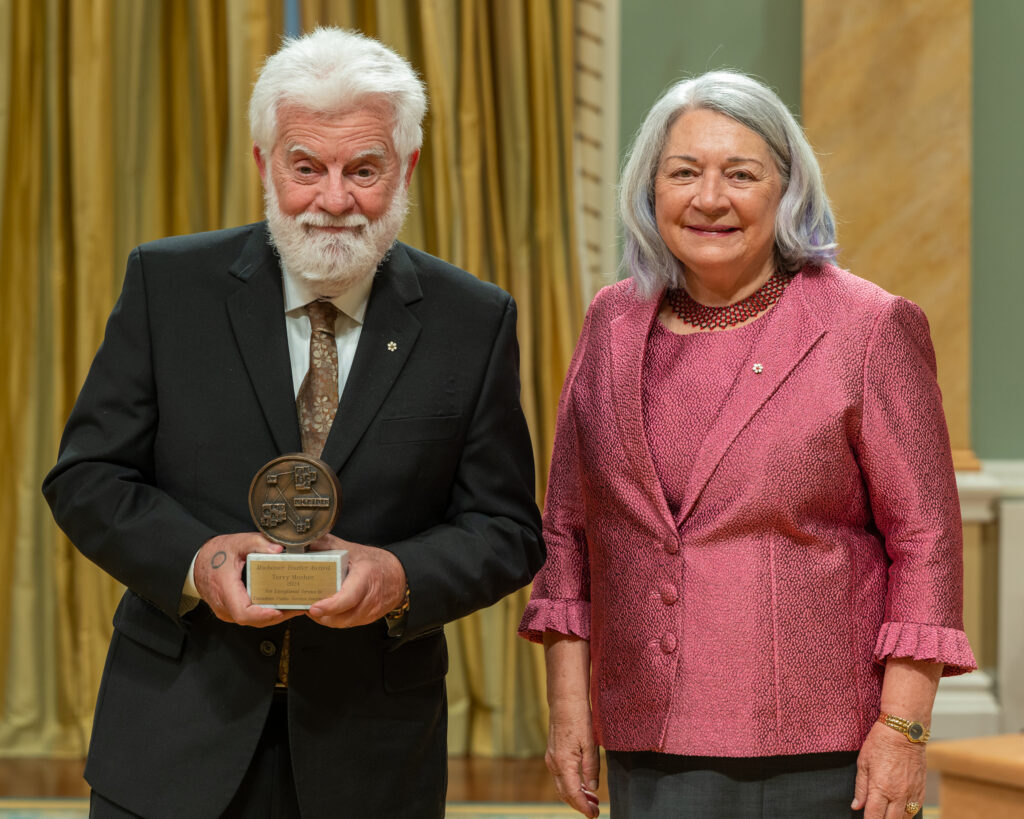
758	368
392	346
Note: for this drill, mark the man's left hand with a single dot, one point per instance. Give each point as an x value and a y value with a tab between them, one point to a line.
374	585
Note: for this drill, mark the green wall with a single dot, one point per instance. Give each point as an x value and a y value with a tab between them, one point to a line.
662	42
997	241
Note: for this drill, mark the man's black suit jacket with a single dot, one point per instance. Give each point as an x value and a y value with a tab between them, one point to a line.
189	395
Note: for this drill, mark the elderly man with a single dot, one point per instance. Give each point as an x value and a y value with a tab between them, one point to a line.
313	331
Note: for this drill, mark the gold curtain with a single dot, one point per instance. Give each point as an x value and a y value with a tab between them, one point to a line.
123	121
120	121
494	194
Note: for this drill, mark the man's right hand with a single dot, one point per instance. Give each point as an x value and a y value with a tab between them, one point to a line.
218	577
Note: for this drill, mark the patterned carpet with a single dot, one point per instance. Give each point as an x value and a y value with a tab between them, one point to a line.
476	810
44	808
79	809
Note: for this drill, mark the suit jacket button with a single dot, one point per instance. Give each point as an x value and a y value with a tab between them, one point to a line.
669	594
268	649
668	643
671	546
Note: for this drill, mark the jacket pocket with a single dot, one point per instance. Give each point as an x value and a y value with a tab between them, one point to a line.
415	663
147	625
428	428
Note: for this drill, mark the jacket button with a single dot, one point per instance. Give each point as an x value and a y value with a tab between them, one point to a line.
668	643
268	649
671	546
669	594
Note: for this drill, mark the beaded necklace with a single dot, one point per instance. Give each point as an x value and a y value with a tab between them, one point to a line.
709	318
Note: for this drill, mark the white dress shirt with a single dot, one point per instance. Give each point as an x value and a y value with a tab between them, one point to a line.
351	311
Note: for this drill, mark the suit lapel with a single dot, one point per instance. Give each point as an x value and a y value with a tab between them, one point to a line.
629	341
257	319
389	333
791	330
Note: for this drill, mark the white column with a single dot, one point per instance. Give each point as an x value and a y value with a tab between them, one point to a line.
1010	677
991	700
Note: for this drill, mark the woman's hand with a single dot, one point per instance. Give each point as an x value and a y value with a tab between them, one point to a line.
572	749
891	768
572	756
890	773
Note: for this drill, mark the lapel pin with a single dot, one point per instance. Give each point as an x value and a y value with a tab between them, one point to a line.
392	346
758	369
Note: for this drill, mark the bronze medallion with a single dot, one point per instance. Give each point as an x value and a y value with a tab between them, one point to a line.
294	499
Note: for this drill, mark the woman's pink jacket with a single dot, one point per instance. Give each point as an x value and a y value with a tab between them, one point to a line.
819	531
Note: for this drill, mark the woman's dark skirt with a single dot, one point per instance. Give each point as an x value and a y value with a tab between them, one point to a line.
648	785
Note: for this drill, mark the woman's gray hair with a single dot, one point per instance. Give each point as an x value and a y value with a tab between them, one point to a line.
805	231
330	71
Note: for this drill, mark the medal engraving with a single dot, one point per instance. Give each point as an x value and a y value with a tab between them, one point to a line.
294	500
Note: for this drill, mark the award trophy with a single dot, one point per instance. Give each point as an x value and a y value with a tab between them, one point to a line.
293	500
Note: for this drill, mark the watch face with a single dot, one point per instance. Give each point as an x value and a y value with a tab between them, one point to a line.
915	731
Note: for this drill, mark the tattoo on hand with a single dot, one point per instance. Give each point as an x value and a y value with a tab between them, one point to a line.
219	559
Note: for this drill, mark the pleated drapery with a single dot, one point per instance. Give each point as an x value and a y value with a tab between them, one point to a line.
123	121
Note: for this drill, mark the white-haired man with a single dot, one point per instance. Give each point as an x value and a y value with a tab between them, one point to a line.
210	706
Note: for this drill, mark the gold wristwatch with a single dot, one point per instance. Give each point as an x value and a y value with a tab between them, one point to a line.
914	731
395	618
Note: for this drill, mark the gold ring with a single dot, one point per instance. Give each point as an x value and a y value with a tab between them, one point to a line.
912	808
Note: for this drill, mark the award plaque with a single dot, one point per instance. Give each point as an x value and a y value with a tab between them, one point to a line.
293	500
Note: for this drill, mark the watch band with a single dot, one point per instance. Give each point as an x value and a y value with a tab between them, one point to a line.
913	731
395	618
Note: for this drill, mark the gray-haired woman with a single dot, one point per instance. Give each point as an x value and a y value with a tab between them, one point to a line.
754	561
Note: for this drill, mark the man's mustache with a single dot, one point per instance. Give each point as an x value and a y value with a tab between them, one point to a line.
351	220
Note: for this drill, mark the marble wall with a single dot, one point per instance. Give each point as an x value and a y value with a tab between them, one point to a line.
887	106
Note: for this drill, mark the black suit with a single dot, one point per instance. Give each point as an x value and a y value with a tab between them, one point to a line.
189	395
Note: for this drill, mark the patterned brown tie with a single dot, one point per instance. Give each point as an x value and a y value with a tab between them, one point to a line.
317	401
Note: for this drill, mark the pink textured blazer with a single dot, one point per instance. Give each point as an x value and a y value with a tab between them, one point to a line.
819	532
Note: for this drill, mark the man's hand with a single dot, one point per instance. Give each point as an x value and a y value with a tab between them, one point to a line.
374	585
218	576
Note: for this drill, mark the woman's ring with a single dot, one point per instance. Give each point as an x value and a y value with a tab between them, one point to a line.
912	808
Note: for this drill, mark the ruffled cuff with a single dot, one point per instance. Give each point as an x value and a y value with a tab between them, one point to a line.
564	616
919	641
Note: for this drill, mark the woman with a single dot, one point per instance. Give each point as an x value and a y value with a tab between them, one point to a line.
754	541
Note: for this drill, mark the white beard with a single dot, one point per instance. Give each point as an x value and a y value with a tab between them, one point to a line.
332	262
